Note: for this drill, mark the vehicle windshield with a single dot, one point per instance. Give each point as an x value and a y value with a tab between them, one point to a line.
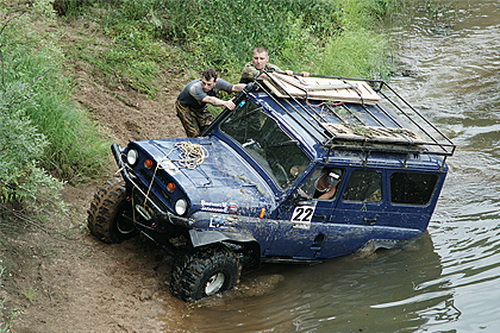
262	138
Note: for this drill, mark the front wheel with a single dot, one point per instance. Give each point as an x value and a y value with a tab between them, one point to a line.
205	273
110	214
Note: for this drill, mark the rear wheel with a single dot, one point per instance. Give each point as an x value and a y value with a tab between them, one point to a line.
110	213
205	273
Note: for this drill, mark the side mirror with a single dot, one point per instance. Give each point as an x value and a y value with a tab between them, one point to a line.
250	87
299	195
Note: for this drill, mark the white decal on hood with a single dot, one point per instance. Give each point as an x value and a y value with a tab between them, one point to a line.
219	207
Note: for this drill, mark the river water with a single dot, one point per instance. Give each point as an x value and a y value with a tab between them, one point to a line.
447	280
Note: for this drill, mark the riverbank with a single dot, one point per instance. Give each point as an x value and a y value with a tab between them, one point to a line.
53	276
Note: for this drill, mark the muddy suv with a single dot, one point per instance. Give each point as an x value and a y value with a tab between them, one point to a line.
303	170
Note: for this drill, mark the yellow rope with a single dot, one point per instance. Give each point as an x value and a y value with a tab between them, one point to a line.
191	156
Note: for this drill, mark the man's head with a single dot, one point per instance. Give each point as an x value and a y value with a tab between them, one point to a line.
209	78
260	57
333	177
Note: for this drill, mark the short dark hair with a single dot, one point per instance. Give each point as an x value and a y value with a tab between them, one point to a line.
209	74
261	49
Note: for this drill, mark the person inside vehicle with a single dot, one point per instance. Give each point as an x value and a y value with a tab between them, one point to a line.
191	104
326	184
259	63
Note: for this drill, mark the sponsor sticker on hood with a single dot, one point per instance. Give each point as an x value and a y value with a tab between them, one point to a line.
219	207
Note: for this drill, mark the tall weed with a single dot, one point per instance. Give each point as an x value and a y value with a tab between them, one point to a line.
301	35
222	34
21	147
43	135
73	143
357	53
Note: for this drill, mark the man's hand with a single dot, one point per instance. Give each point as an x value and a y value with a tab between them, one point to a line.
229	104
219	102
291	73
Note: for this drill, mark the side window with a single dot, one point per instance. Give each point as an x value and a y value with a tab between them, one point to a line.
364	186
412	188
322	184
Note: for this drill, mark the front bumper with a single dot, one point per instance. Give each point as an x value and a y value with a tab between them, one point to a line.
159	213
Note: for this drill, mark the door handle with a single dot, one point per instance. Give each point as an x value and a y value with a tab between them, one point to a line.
318	243
371	220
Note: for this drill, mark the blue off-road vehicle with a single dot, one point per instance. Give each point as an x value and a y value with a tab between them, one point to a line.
302	170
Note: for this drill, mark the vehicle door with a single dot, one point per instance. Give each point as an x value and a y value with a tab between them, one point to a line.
413	197
304	220
361	213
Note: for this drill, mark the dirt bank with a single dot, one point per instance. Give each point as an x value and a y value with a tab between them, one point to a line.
69	282
63	280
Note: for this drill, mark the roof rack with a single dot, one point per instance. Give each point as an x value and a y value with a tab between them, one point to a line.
401	129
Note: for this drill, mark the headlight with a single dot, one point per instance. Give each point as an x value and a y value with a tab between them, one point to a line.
132	156
180	207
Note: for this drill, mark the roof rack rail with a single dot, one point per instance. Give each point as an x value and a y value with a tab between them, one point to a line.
362	121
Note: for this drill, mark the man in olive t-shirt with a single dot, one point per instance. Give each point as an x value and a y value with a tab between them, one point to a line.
259	63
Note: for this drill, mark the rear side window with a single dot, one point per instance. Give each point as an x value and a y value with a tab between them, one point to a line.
364	186
412	188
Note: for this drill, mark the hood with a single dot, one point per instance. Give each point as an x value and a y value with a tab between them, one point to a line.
220	181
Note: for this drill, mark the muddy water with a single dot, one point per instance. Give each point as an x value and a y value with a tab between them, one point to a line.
448	280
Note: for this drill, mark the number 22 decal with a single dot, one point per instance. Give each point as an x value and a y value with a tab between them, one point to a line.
303	214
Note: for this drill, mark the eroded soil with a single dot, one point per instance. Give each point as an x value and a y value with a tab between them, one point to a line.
63	280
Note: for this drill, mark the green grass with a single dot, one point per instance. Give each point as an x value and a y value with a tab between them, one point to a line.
47	138
153	35
30	294
7	313
356	54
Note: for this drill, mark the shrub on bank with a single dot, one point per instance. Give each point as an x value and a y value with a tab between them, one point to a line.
44	138
314	35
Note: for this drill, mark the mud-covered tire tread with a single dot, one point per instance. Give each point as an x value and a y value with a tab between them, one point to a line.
190	272
102	215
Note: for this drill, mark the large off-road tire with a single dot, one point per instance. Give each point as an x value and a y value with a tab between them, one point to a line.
205	273
110	213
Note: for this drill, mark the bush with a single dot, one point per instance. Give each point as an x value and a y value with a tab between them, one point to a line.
222	33
22	180
74	147
300	34
43	135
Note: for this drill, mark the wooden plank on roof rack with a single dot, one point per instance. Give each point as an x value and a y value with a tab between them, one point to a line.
374	133
316	88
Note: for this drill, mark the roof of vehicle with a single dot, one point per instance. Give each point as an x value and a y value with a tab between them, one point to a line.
344	114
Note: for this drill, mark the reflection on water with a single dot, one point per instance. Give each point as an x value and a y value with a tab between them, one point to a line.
401	287
447	280
455	62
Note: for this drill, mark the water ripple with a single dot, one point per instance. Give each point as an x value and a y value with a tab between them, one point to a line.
447	279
